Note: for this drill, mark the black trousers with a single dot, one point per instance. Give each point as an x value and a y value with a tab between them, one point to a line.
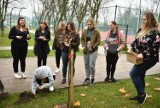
19	53
111	60
58	57
42	59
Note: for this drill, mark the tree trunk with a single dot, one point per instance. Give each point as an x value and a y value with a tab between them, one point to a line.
70	80
79	23
2	27
49	21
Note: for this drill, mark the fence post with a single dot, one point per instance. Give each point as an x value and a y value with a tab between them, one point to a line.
139	15
115	13
126	35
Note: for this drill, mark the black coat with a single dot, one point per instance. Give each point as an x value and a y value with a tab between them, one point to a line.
41	45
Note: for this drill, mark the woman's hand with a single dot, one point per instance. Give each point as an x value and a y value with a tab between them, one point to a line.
19	37
28	36
104	45
42	38
66	44
139	56
40	87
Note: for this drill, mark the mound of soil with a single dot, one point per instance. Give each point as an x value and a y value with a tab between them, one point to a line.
3	96
25	97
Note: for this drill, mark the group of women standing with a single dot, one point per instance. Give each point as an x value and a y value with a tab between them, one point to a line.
146	44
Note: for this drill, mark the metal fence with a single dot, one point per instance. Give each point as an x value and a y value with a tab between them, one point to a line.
123	16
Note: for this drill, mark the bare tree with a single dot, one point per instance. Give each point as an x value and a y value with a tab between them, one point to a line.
94	6
80	8
154	5
56	9
39	10
3	11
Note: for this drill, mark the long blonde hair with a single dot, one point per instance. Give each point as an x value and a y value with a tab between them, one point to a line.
150	24
63	25
92	21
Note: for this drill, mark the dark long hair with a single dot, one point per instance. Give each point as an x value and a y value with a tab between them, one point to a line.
18	24
72	27
44	22
114	23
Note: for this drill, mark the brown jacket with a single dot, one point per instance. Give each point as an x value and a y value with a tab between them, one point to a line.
73	39
94	42
57	40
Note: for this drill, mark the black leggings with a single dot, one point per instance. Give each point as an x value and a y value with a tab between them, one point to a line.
111	60
19	53
42	59
58	57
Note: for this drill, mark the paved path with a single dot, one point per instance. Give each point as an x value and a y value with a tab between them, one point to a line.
14	85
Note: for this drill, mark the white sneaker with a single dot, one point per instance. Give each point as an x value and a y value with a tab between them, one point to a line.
57	70
17	76
24	75
51	88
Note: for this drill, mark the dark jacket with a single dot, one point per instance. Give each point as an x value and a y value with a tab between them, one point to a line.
94	42
41	44
74	40
148	45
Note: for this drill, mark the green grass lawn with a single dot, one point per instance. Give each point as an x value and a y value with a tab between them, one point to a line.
5	41
7	53
101	95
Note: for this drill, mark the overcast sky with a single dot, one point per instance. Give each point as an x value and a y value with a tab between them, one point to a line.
124	3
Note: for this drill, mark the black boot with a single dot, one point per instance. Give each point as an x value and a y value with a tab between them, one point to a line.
63	81
106	79
92	80
113	79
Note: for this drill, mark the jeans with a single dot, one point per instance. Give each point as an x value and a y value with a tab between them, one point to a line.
65	61
138	72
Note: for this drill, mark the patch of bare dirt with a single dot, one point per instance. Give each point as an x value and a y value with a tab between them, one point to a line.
3	96
25	97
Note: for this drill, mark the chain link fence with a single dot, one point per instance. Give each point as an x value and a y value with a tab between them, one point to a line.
128	19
